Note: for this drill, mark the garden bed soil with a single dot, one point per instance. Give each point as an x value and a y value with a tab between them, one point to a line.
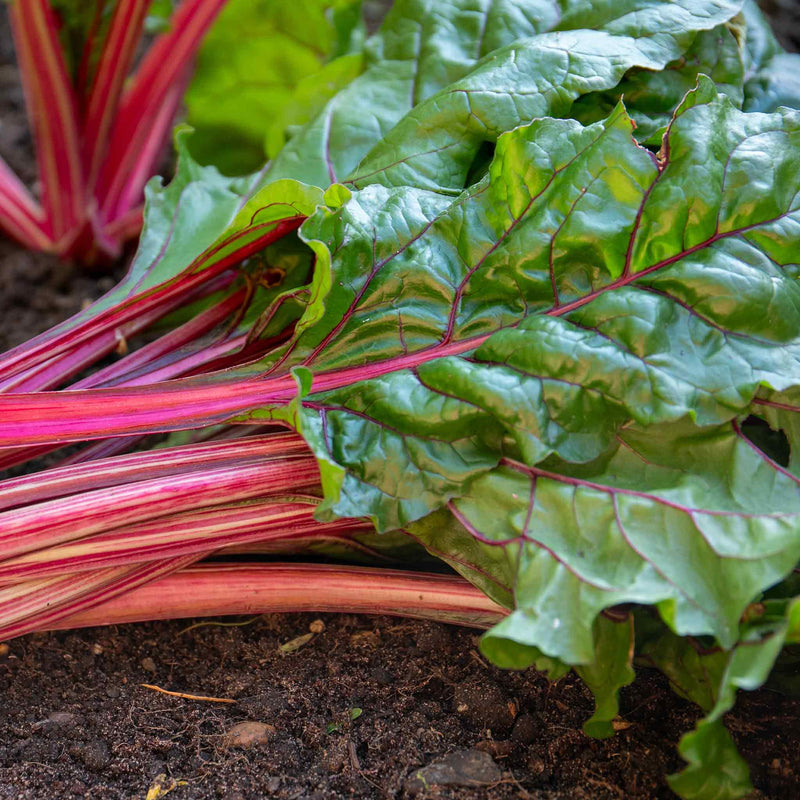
369	708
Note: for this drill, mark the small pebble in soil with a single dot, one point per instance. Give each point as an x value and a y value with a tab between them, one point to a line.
463	768
245	735
336	754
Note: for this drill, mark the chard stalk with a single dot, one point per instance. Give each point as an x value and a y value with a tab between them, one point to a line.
218	589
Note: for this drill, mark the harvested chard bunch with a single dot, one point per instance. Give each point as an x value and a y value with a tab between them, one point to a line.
527	295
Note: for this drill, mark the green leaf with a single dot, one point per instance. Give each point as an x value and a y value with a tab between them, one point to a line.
422	50
772	76
202	216
715	768
253	62
648	320
435	144
782	411
651	96
556	362
611	669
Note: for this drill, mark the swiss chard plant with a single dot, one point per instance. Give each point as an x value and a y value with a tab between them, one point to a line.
101	111
525	292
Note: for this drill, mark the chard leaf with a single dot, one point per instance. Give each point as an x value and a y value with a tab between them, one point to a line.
782	411
663	522
419	50
651	96
760	42
435	144
772	76
613	285
422	49
611	669
561	356
250	64
776	84
715	769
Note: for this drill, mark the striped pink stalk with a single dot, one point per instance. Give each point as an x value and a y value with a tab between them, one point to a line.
21	217
40	604
96	144
212	589
52	522
150	465
115	60
52	109
262	522
151	90
159	300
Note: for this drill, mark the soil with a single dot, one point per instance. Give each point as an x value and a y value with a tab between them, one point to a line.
368	708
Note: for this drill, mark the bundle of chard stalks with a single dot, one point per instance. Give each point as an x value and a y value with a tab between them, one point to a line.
506	333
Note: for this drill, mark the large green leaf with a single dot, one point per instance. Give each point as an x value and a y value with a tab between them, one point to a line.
423	51
559	358
651	96
435	144
772	76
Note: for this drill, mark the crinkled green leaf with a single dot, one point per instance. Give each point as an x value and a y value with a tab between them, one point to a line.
760	42
782	411
250	65
561	356
423	50
618	282
663	522
419	50
201	211
776	84
435	144
651	96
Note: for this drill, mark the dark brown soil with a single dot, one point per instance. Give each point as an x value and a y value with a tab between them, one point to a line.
354	713
75	720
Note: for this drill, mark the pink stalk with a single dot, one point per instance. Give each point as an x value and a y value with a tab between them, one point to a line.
20	215
107	448
125	227
52	522
123	370
40	604
114	64
208	590
126	186
167	296
199	533
63	366
180	404
52	109
151	465
163	68
58	369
